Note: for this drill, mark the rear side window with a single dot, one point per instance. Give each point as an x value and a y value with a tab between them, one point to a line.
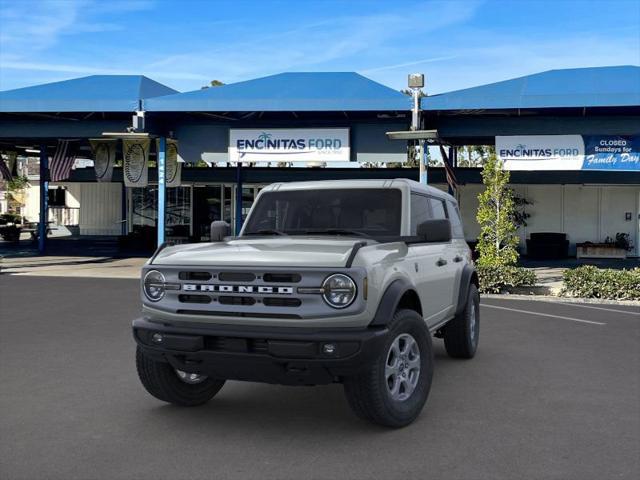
457	230
437	208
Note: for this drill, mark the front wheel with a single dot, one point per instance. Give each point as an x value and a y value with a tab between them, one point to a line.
395	387
175	386
461	334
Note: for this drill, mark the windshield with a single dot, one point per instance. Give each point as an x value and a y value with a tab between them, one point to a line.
371	212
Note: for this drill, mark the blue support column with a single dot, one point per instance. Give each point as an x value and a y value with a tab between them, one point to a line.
162	190
238	225
44	199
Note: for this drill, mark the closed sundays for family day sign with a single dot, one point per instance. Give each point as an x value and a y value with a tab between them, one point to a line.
569	152
289	145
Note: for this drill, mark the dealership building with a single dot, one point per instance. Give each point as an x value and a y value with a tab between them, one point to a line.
570	137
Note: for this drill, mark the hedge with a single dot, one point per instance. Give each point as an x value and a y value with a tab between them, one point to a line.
494	279
591	282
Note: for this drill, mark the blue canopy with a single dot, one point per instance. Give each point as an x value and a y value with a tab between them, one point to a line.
288	92
96	93
577	87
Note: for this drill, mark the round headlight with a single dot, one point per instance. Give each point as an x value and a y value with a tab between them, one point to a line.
154	285
338	290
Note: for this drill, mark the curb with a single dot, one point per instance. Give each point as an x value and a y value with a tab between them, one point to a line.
556	299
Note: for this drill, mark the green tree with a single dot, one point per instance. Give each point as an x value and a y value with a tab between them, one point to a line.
213	83
474	155
498	240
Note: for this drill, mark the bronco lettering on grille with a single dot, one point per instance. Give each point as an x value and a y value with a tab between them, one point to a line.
192	287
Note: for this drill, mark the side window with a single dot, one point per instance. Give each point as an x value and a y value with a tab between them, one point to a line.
420	211
437	207
456	224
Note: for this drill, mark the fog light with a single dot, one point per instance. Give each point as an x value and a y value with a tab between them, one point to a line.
329	348
156	338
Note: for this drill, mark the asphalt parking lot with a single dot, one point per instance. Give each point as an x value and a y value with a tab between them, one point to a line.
554	392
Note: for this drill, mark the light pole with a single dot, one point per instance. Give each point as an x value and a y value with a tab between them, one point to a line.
416	83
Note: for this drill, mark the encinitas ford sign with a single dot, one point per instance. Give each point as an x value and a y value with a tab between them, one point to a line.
541	152
289	145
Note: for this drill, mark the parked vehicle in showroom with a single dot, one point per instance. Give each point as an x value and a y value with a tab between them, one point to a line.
333	281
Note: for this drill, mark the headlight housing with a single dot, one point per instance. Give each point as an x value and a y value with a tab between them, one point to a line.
154	285
339	290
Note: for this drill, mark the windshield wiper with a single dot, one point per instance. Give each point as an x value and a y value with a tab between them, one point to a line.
266	232
337	231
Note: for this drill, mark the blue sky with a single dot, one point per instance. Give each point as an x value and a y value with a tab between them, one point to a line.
184	44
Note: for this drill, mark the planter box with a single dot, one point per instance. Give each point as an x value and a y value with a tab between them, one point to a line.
599	251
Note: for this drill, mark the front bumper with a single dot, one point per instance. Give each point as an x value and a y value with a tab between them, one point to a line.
282	355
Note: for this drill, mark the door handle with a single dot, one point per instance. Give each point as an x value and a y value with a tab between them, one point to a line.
441	262
457	258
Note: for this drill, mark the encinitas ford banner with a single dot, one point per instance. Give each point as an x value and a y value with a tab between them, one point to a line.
569	152
289	145
541	152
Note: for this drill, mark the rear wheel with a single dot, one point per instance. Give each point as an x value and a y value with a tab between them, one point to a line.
393	390
462	333
175	386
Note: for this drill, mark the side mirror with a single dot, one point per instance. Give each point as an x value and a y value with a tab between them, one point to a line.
219	229
435	231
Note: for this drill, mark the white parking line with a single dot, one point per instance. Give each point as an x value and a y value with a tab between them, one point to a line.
543	314
569	304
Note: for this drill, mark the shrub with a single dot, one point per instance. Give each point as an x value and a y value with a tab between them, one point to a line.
592	282
495	278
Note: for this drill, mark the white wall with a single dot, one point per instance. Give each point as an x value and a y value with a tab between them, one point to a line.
100	208
583	212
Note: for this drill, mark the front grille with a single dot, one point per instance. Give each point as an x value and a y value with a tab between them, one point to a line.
282	302
282	277
195	276
228	300
194	298
236	277
254	292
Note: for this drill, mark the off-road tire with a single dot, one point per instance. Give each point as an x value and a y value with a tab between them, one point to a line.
458	338
367	393
161	380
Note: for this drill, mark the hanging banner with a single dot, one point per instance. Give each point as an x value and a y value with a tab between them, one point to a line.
104	157
541	152
135	153
289	145
173	166
611	152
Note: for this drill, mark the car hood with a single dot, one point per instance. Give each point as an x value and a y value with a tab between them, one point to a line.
263	251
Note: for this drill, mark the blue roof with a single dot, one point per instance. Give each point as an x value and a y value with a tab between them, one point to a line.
96	93
577	87
298	92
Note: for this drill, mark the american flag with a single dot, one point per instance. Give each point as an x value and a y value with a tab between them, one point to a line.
62	160
4	170
448	169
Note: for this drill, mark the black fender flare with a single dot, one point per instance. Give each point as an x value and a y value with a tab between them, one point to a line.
466	279
389	302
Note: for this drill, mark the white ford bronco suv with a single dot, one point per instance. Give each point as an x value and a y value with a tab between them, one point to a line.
332	281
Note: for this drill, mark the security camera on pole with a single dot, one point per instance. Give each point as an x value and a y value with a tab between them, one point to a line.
416	83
